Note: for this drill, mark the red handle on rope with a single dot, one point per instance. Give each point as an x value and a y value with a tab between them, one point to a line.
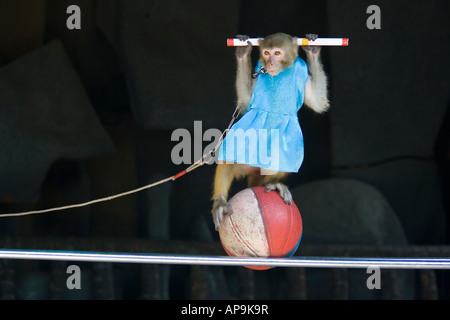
180	174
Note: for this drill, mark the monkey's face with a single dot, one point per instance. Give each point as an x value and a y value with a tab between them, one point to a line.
274	60
277	52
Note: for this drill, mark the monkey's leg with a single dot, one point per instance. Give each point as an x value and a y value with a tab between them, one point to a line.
272	182
222	181
255	180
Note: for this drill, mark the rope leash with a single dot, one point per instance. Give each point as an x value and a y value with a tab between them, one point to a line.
192	167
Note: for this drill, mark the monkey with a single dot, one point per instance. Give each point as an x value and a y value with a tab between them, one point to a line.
270	98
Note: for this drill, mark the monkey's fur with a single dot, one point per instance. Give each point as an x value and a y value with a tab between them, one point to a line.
277	52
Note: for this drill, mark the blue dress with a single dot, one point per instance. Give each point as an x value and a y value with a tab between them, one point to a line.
269	135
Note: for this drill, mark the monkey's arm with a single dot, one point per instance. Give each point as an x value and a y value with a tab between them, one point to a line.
244	82
316	91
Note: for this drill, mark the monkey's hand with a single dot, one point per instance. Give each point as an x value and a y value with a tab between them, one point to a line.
282	189
311	36
242	52
311	49
220	208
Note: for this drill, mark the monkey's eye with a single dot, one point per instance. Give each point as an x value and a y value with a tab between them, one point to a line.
277	53
266	53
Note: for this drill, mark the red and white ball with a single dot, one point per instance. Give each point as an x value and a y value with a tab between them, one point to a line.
262	225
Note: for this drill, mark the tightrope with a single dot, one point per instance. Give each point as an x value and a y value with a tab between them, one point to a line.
305	262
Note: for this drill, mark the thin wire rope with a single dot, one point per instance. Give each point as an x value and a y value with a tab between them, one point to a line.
314	262
192	167
88	203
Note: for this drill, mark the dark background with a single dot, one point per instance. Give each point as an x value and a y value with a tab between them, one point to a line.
89	113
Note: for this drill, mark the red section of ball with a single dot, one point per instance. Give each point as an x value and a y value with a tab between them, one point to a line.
283	222
262	224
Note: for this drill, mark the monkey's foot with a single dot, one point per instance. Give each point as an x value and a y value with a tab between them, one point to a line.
220	208
282	189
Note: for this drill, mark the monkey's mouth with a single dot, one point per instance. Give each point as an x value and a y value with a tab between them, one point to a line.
273	72
272	69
